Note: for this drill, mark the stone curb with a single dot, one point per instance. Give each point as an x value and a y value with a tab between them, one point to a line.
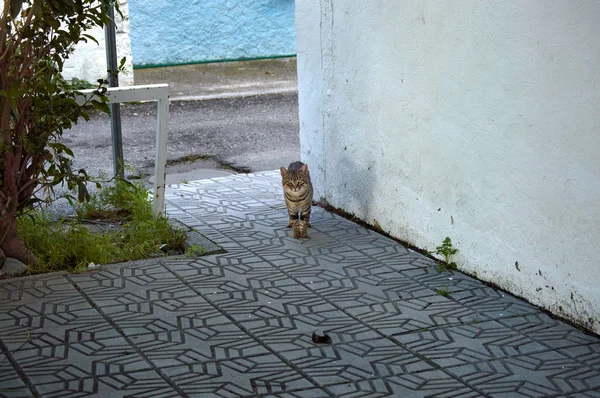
241	94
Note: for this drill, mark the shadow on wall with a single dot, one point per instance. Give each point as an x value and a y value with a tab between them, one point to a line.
354	194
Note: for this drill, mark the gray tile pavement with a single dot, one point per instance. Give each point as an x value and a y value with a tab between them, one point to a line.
239	324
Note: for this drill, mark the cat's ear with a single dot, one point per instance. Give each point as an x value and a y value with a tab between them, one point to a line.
304	168
283	171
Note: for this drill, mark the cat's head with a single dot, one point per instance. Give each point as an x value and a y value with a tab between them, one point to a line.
295	180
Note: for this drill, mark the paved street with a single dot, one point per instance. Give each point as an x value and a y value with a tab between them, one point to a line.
239	323
249	133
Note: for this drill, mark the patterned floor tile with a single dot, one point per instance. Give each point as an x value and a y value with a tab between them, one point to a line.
228	273
473	343
288	260
27	289
263	374
124	285
374	367
295	332
432	278
400	287
433	383
275	302
198	345
493	303
366	359
550	331
595	393
113	367
403	316
344	293
55	318
11	383
159	316
307	393
528	376
559	336
240	323
329	283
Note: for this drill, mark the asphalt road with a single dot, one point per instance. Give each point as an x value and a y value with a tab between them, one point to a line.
247	133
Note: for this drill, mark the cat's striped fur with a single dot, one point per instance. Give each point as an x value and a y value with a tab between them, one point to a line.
298	193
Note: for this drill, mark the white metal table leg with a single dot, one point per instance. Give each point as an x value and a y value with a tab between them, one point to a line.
145	93
162	125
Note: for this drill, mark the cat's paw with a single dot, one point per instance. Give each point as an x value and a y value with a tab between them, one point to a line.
299	231
296	234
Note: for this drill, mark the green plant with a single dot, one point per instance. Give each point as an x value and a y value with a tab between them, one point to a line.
444	292
79	84
195	250
121	199
37	105
61	245
447	250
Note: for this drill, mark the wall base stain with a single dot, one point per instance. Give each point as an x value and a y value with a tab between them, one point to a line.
582	320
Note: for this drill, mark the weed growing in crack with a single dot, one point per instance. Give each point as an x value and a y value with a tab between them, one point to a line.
447	250
444	292
195	250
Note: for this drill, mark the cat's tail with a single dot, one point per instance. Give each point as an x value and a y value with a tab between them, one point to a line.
300	229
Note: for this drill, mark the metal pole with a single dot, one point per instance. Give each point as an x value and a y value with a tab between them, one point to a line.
113	81
162	124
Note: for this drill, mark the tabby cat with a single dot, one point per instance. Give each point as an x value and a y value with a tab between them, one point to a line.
298	193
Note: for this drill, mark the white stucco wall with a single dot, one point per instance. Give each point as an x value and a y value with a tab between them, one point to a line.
474	120
88	62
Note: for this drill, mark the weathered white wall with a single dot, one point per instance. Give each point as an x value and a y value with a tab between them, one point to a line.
474	120
89	60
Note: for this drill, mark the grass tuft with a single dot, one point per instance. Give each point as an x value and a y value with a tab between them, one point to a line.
71	246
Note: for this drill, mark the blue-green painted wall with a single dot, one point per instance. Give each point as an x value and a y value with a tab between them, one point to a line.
187	31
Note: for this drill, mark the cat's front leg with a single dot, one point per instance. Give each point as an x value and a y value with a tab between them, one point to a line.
293	218
305	216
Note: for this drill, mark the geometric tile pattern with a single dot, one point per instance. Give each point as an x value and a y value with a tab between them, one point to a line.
239	323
